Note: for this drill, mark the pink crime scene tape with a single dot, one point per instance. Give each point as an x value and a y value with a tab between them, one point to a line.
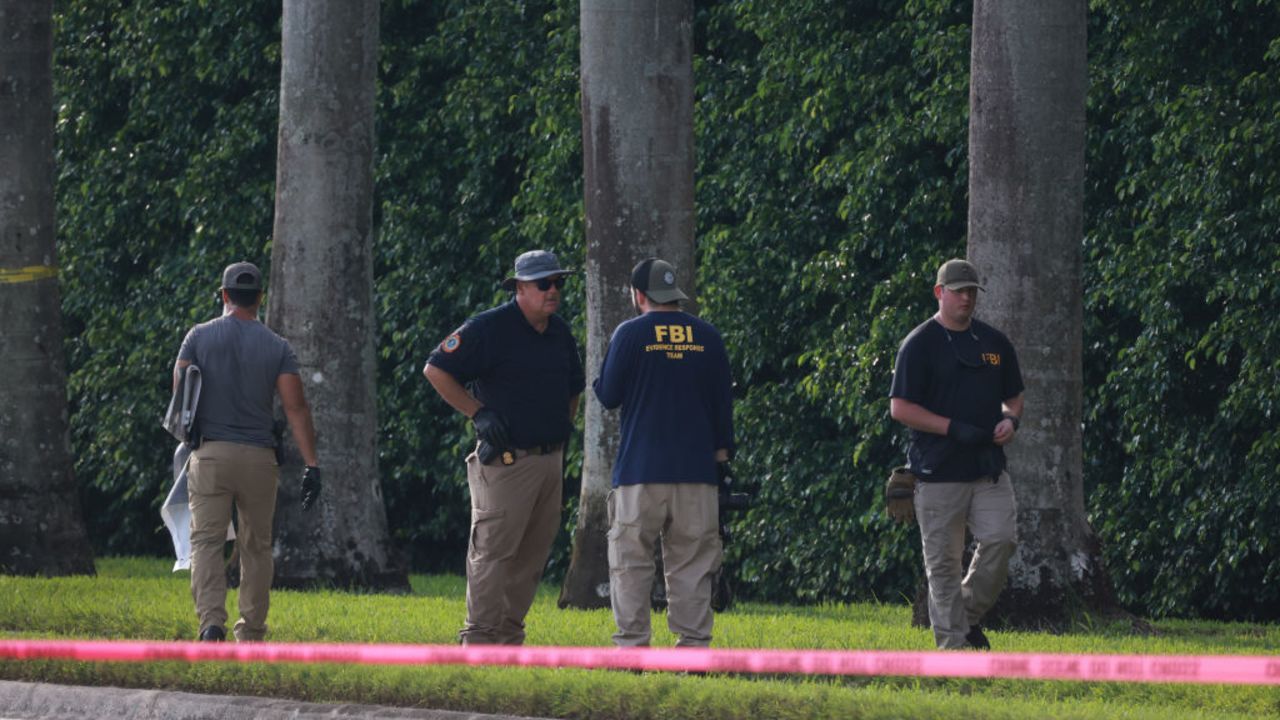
1233	669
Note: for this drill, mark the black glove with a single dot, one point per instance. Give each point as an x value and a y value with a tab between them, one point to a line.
492	428
724	474
966	434
310	486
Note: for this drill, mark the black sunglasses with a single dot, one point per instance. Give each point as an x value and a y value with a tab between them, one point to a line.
544	284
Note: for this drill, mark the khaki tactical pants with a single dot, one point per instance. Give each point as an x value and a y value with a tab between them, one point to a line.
515	514
685	515
223	474
943	510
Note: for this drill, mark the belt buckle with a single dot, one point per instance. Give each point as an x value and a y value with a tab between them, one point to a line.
508	458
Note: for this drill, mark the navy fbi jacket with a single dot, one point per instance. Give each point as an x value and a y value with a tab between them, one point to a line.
670	373
526	376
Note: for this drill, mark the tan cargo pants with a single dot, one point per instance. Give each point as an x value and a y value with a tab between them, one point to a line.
515	514
943	510
685	515
223	474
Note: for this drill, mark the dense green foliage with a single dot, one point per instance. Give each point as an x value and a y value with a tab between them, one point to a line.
831	178
166	166
479	159
1182	261
141	599
831	173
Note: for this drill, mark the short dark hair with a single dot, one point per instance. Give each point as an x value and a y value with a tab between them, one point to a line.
244	298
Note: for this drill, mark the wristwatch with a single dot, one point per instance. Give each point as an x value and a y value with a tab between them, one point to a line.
1017	421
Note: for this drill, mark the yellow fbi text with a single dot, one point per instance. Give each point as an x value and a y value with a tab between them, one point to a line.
674	340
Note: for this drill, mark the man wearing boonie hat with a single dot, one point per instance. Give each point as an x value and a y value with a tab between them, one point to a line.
669	372
515	371
242	364
957	386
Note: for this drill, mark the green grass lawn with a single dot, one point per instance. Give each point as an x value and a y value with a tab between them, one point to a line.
141	599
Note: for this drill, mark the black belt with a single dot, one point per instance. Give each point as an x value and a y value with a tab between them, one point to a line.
488	455
539	449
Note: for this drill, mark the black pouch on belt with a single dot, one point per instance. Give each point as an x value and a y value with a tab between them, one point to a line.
277	433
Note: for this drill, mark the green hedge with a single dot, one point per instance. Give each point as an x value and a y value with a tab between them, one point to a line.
831	179
1181	260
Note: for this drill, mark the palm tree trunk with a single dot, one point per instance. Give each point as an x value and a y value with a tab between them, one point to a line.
41	529
637	135
321	293
1026	207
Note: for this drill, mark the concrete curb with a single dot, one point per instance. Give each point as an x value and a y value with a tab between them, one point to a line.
62	702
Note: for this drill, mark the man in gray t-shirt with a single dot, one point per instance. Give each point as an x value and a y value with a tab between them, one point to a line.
240	361
242	364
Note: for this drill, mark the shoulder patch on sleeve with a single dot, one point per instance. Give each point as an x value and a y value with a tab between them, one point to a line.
451	343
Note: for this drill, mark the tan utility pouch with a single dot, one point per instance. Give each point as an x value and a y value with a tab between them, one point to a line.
899	495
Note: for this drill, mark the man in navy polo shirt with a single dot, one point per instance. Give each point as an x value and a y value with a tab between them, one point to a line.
670	373
523	379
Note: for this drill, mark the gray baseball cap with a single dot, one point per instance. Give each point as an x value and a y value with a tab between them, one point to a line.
534	265
242	276
957	274
657	280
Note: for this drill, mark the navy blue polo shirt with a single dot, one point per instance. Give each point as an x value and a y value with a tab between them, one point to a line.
670	373
527	376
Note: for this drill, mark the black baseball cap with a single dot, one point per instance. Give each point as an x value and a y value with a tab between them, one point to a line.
657	280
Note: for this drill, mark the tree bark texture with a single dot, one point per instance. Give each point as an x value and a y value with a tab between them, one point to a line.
321	293
637	135
41	529
1026	206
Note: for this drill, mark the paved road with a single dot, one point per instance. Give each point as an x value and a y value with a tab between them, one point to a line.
30	701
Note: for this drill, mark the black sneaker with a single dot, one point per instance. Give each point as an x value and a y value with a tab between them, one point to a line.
213	633
977	639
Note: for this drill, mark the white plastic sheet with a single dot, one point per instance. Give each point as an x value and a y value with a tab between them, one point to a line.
176	511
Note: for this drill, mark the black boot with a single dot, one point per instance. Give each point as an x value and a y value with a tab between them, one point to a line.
213	633
977	639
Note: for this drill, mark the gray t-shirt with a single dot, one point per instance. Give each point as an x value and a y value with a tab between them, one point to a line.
239	363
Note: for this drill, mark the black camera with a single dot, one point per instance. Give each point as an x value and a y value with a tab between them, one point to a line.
730	501
734	501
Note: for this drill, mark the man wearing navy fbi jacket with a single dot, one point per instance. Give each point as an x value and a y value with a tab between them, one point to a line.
669	372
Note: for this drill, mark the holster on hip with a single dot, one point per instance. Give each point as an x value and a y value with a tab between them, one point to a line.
487	454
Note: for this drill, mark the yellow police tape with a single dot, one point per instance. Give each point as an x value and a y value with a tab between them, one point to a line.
27	274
